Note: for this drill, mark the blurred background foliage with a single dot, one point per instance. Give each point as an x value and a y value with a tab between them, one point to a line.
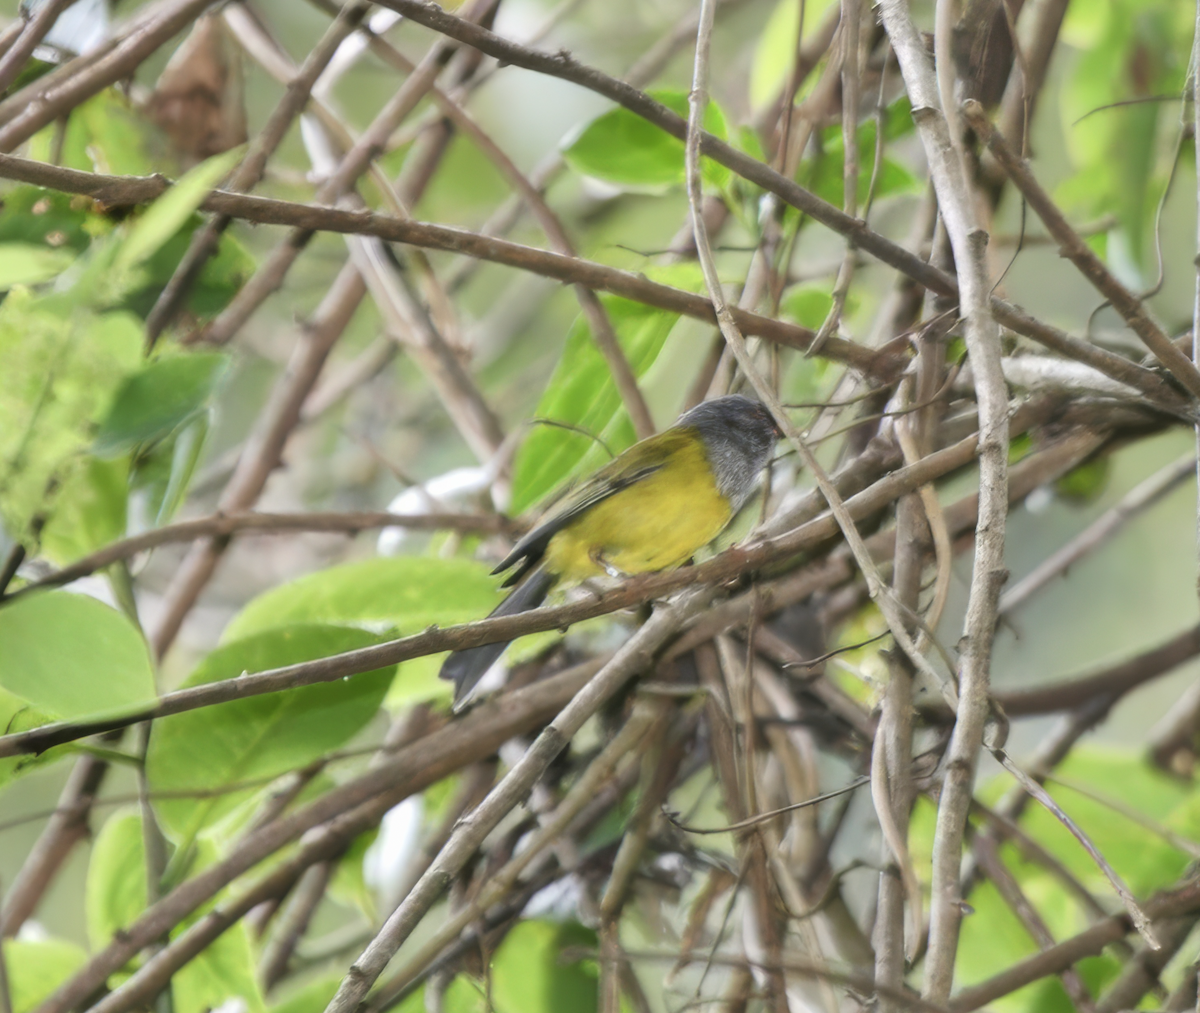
100	439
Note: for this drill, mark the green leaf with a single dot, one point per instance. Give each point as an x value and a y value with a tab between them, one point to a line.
827	179
528	975
222	276
26	264
1084	483
260	737
169	213
582	394
1141	857
158	399
37	968
115	893
808	305
72	656
622	148
775	54
91	510
62	365
405	594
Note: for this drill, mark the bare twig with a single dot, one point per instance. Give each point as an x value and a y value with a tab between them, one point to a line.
250	521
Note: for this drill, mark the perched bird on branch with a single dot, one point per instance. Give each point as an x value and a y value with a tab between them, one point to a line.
649	509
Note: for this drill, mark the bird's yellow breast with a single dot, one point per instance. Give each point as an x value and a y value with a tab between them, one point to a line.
655	524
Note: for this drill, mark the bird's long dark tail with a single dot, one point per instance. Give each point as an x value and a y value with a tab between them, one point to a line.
465	668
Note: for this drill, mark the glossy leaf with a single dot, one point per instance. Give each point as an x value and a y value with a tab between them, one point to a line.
406	593
259	737
72	656
116	882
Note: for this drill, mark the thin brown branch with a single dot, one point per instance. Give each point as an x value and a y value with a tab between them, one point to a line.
68	825
956	202
562	65
223	525
729	565
122	191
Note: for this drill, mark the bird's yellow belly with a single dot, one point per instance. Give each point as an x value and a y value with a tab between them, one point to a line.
655	524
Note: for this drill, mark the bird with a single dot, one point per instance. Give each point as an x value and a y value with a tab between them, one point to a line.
649	509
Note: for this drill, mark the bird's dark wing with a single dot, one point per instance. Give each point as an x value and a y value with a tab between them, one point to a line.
596	489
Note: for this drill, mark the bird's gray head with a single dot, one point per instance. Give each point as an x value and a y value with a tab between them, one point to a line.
739	435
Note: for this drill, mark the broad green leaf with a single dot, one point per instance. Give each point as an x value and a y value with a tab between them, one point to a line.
620	147
104	134
158	399
464	995
62	365
91	510
260	737
775	54
992	937
26	264
1142	858
72	656
168	214
116	881
529	976
116	896
37	968
582	394
405	594
18	715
